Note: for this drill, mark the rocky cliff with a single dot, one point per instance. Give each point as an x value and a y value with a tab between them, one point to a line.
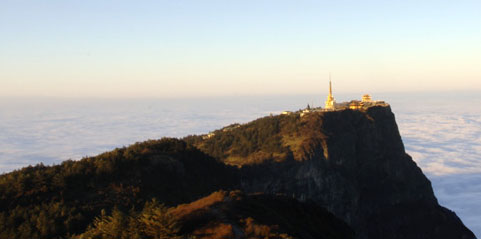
351	162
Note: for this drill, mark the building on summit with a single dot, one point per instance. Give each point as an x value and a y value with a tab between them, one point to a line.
355	105
365	102
331	104
366	98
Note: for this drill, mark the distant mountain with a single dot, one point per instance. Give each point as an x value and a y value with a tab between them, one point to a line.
270	178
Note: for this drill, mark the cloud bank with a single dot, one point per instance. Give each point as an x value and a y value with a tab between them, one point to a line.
444	139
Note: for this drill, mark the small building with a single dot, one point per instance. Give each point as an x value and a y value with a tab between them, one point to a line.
305	111
366	98
230	127
355	105
209	135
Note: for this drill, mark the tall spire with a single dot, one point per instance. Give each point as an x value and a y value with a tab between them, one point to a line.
330	102
330	85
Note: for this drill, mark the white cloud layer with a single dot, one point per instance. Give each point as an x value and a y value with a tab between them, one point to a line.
443	142
442	135
444	139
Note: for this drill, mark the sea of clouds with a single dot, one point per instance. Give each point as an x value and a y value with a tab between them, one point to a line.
442	132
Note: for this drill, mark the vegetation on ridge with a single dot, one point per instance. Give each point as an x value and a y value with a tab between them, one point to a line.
271	138
147	190
48	202
222	215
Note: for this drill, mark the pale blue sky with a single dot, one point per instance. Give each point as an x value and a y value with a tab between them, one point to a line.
208	48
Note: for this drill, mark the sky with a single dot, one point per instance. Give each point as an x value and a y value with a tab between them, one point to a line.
216	48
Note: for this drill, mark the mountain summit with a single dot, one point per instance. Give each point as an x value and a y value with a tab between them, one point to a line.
351	162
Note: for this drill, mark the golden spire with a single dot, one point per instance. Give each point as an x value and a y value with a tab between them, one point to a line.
330	102
330	86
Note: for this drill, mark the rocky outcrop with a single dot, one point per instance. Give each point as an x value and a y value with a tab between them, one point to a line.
354	164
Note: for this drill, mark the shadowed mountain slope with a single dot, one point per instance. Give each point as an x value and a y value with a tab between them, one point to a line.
224	215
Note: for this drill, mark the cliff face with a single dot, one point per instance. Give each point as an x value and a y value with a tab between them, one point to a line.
351	162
